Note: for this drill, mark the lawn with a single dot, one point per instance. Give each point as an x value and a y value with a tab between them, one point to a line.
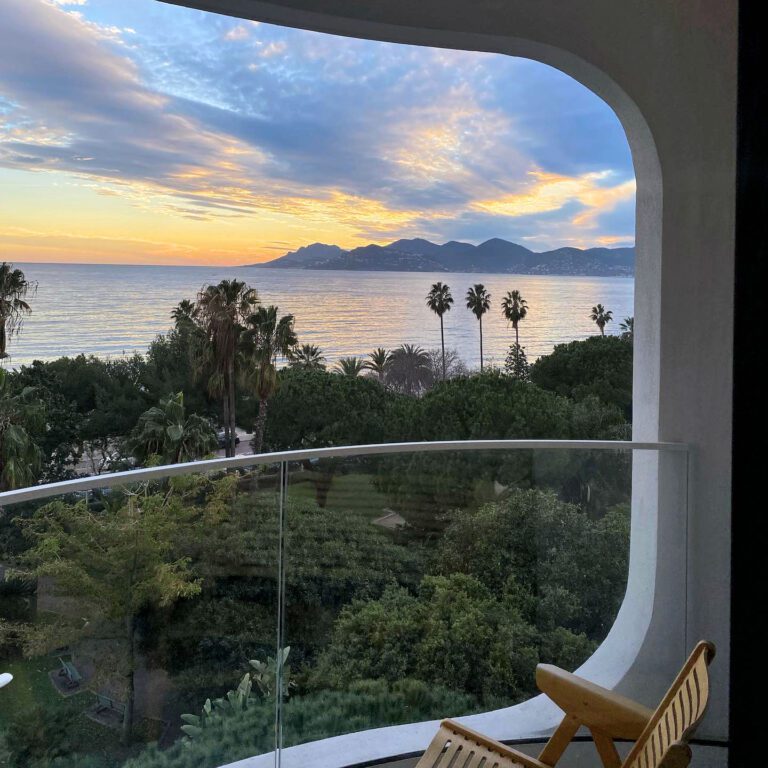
348	491
32	687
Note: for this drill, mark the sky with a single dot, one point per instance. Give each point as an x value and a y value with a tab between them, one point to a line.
140	132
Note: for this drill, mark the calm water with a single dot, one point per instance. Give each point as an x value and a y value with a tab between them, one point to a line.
116	310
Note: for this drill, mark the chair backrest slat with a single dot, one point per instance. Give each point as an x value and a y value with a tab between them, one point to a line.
456	746
679	713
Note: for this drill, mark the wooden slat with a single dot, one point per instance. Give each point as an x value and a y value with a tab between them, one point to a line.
594	706
559	740
663	743
456	746
606	750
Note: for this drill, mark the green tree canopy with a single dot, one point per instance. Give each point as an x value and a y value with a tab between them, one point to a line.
315	409
221	312
14	290
167	432
114	564
265	338
600	366
21	416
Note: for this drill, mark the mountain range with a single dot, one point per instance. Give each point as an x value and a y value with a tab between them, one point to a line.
495	255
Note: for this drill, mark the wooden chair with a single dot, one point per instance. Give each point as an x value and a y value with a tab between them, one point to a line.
661	736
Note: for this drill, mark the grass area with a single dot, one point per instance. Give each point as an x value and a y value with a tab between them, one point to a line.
348	491
32	687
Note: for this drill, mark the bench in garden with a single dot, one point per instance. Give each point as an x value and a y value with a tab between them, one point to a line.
108	704
68	670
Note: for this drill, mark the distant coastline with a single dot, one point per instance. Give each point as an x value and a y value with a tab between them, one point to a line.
495	256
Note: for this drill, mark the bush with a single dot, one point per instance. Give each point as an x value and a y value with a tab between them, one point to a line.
600	366
368	704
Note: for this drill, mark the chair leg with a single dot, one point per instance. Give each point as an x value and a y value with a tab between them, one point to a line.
606	750
559	740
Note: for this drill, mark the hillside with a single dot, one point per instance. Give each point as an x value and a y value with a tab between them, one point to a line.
494	256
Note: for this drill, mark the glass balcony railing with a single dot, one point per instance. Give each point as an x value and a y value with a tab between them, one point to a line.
201	614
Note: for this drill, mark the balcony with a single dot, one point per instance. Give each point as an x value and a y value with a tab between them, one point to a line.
337	602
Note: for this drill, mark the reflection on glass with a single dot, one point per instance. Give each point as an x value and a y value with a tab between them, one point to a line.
427	585
128	618
208	618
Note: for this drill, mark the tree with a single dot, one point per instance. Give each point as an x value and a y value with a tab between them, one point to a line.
514	308
58	429
165	431
266	337
14	289
516	364
20	415
307	356
379	362
439	300
599	366
183	314
601	317
572	566
350	366
315	409
479	302
627	326
410	370
114	564
454	365
221	311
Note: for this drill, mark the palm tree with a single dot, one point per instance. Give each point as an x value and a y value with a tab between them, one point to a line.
221	311
410	369
166	431
183	314
350	366
20	415
14	289
378	362
308	356
479	302
439	300
514	308
601	317
627	326
267	336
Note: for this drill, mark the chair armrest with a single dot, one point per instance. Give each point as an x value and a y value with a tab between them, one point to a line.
519	758
594	706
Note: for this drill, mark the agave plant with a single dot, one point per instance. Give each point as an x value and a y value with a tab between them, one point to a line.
266	674
235	701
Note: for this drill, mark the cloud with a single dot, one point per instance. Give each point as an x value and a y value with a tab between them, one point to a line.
272	49
240	32
385	140
546	192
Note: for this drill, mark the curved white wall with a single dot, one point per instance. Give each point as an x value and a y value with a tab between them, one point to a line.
668	69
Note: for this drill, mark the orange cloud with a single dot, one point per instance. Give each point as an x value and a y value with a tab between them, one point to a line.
551	192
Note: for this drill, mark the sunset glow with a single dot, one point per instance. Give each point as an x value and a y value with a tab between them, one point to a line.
146	133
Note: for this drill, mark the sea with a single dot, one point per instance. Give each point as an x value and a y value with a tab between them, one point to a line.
116	310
